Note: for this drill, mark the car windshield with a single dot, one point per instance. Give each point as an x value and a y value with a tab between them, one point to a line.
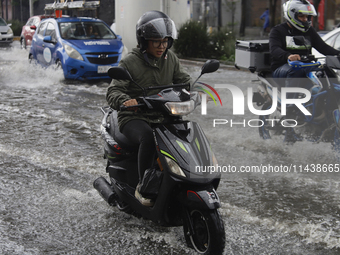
85	30
2	22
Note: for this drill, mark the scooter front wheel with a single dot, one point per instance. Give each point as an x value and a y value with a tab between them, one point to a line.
204	231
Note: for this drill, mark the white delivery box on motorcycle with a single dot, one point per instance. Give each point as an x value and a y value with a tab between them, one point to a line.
252	55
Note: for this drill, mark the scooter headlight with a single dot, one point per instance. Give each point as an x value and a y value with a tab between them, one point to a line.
174	167
180	108
72	52
214	160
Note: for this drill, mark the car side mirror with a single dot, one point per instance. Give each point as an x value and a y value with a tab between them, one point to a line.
119	37
49	39
33	27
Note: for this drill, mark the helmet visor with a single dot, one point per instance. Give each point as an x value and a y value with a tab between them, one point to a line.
303	7
159	28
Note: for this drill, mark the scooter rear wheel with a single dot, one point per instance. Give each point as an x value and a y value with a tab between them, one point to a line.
207	235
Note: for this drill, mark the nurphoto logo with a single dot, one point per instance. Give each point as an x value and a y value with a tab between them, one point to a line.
204	96
239	98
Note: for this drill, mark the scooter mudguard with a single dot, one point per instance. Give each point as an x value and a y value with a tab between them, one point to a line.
200	199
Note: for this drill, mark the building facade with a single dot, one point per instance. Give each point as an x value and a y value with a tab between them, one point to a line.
226	13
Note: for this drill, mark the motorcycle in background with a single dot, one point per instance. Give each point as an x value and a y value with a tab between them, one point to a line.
324	105
182	195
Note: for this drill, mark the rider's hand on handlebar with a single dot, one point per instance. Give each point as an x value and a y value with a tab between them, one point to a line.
131	102
294	57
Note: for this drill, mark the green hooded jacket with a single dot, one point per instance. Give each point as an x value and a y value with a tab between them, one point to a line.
156	72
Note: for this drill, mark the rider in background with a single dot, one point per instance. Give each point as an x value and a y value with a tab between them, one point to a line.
265	16
298	14
151	64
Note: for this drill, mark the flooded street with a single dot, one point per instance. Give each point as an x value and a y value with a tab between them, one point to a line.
51	152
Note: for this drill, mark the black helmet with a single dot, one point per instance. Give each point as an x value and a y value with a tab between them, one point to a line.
292	9
155	24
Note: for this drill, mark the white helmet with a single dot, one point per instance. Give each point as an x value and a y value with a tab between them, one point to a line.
291	10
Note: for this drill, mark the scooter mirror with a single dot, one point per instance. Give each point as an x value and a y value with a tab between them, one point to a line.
210	66
299	40
119	73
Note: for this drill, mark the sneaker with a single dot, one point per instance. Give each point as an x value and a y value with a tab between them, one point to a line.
144	201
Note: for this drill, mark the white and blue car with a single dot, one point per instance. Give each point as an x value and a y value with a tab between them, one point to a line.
85	48
6	33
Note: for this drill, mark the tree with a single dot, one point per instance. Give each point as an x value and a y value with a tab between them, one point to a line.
243	17
272	12
231	6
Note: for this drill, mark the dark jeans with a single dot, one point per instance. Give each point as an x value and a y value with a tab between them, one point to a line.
139	132
294	78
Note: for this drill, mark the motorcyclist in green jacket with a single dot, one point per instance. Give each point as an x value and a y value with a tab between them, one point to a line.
151	64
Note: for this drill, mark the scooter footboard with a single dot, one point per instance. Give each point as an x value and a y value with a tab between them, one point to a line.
200	198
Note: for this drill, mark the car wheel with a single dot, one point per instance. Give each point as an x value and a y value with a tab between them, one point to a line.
23	43
58	64
30	59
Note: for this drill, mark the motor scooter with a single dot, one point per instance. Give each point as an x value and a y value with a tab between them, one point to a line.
183	190
322	125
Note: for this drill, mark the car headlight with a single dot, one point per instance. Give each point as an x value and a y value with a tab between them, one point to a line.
73	53
9	31
174	167
180	108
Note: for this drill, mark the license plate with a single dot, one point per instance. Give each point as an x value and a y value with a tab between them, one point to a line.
103	69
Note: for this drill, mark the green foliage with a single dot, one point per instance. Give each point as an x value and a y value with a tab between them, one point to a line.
194	42
16	26
223	43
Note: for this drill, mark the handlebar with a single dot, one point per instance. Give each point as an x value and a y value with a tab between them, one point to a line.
124	108
180	85
296	65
